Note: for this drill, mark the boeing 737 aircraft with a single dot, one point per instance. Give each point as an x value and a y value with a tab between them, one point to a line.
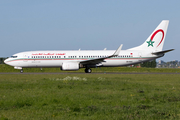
74	60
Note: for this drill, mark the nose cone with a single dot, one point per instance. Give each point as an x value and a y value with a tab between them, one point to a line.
5	61
9	61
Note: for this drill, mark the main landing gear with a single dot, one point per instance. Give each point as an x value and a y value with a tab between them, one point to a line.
88	70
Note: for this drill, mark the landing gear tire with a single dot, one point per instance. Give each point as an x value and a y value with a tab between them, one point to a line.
21	71
88	70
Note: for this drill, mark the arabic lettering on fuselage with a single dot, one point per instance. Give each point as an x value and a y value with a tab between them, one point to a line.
48	53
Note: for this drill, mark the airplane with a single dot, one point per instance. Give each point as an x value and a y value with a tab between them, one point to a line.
74	60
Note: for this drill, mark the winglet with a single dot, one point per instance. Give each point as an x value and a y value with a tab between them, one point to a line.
116	53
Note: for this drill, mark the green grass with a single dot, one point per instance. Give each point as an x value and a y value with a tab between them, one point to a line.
7	68
89	96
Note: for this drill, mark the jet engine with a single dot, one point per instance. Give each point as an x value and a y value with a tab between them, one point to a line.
70	66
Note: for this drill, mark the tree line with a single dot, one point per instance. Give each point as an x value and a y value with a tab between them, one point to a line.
149	64
2	60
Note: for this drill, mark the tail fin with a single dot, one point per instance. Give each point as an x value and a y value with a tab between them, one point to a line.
155	41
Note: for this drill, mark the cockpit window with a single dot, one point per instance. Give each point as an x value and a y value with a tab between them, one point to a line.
13	56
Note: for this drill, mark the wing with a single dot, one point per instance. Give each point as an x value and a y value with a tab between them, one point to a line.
98	60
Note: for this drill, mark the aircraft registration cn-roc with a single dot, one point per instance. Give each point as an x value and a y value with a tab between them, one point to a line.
74	60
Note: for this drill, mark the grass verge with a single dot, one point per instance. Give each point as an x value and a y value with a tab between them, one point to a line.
87	96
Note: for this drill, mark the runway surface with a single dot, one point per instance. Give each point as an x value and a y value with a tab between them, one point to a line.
82	73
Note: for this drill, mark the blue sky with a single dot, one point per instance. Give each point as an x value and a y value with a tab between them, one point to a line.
86	24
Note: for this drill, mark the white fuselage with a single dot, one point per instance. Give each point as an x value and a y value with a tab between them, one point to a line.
57	58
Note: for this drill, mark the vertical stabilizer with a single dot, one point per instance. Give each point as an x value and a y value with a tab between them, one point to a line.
155	41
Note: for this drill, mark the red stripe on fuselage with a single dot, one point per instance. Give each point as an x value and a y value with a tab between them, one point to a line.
77	59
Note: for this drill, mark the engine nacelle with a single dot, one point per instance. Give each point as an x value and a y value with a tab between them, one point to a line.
70	66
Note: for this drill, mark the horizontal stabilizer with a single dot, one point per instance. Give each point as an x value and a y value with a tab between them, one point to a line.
162	52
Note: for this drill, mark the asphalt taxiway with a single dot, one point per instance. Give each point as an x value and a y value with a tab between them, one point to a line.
83	73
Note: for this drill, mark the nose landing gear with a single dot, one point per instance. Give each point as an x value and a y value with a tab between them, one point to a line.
21	71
